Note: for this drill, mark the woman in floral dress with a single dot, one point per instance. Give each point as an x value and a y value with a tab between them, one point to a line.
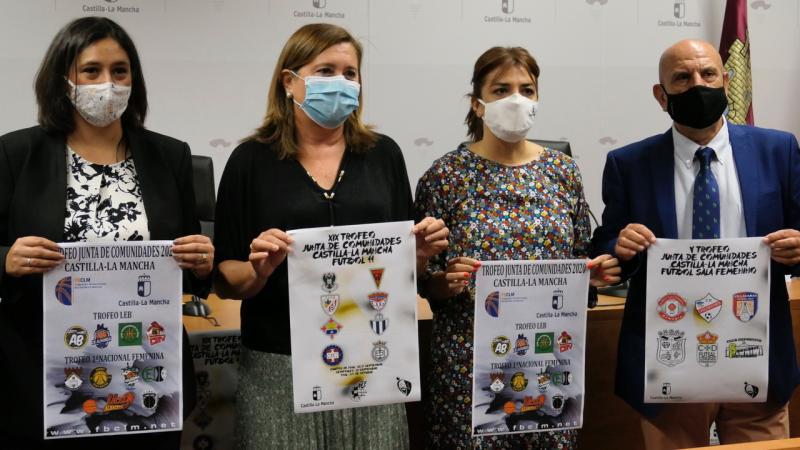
503	198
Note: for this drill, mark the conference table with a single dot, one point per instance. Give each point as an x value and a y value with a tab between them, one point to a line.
608	421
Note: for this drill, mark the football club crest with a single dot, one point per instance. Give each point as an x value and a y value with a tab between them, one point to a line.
330	303
521	345
671	307
543	380
378	300
331	328
707	349
150	400
544	343
329	282
156	333
404	386
530	404
358	391
75	337
745	305
102	336
154	373
143	286
500	345
708	307
750	390
498	382
72	378
564	342
744	348
130	376
332	355
130	333
379	324
671	347
380	352
99	377
377	276
492	304
64	291
519	382
557	402
558	299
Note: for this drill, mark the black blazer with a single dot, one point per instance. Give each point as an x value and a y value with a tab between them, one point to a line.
33	184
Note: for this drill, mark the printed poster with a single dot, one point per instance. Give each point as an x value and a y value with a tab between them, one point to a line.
707	325
352	305
530	334
112	340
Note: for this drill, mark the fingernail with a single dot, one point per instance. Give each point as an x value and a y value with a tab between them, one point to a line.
467	274
606	277
475	268
589	265
477	264
466	282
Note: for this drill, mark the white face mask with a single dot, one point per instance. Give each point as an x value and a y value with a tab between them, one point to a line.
100	104
510	118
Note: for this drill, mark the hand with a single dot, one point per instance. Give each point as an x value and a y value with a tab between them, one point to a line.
268	251
431	237
194	252
31	254
633	239
458	273
605	271
785	246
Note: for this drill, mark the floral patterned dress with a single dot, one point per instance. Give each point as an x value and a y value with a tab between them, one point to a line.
494	212
104	202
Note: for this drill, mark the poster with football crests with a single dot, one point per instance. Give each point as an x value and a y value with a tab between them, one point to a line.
529	348
112	340
352	306
707	321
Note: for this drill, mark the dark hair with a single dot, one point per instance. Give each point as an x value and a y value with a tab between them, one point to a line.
489	61
52	90
302	47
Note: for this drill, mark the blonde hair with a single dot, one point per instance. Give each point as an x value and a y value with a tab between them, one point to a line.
302	47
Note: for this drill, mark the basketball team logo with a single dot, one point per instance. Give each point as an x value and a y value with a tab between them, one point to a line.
564	342
156	333
521	345
72	378
500	345
63	291
150	400
543	381
130	333
75	337
544	343
102	336
130	376
518	382
498	382
492	304
99	377
154	373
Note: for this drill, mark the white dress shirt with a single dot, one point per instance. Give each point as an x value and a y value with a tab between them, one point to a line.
724	168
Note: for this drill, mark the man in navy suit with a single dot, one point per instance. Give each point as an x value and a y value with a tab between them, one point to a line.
648	190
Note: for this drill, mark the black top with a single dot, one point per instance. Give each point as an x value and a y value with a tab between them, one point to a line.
33	193
258	191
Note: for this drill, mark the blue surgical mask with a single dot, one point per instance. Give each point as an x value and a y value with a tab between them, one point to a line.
329	101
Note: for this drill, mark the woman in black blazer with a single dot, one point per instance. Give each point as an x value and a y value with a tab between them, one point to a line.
89	171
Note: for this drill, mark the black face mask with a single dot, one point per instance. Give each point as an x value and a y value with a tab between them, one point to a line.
697	107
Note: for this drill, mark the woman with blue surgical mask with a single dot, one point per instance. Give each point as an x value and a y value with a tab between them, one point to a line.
503	198
312	163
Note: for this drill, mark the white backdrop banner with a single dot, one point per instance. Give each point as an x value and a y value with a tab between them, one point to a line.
707	319
353	311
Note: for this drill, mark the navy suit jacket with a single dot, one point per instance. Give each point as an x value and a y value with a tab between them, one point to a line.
638	187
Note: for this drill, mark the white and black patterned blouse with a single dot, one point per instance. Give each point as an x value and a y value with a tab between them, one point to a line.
103	202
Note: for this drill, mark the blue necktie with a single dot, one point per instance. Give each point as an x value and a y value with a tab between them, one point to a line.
705	210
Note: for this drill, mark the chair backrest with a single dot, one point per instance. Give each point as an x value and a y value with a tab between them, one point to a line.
561	146
204	192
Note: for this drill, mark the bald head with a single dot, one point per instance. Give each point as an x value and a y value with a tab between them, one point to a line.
687	54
